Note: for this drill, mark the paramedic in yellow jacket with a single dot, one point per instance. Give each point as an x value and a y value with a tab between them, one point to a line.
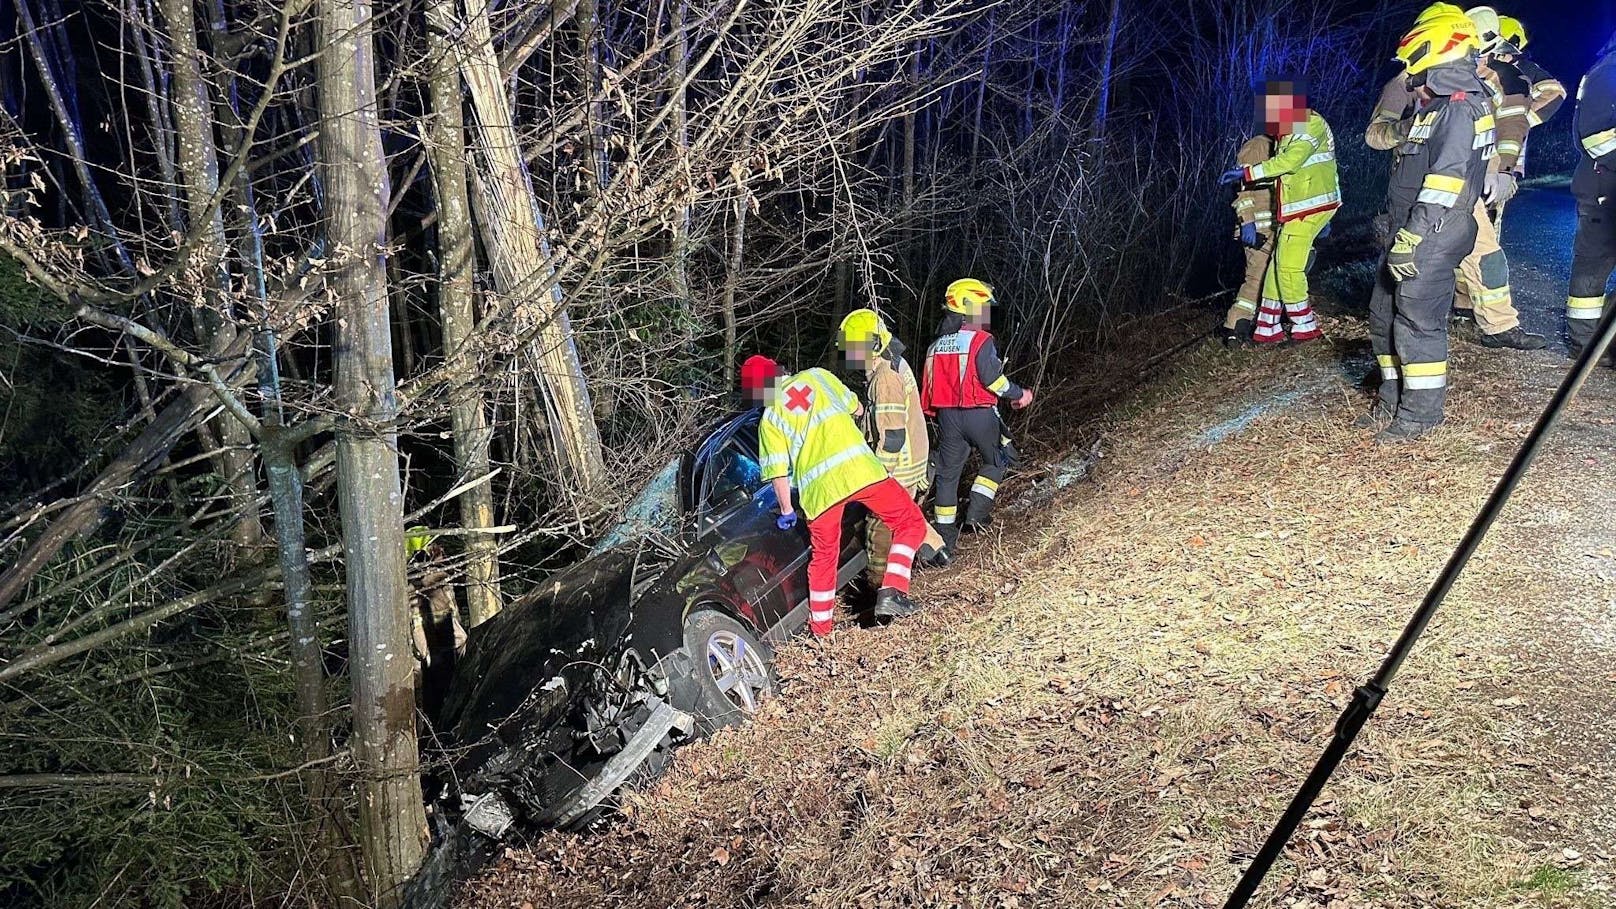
1254	209
896	426
1307	193
809	443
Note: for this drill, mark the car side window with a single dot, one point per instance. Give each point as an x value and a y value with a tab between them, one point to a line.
731	477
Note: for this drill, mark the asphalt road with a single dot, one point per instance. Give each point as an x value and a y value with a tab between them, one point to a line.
1539	225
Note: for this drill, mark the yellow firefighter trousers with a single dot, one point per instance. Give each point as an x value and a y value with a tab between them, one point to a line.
1245	302
1483	280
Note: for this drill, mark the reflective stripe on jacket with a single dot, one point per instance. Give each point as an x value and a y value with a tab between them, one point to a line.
809	435
1305	168
895	407
1254	203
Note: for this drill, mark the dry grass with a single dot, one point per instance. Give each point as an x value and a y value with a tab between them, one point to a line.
1110	700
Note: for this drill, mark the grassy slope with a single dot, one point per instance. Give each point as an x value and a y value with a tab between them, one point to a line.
1118	690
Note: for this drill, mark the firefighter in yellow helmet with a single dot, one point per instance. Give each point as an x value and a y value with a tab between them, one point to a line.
894	423
1543	94
1440	173
1303	172
1482	288
962	385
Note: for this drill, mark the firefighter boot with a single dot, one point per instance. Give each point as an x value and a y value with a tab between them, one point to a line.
1516	338
1404	431
979	515
932	557
1238	336
891	604
1377	417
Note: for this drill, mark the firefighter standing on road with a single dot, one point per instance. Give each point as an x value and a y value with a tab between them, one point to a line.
899	427
808	439
1254	208
1593	256
1303	169
962	385
1440	174
1482	289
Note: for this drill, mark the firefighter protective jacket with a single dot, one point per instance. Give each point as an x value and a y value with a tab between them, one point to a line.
1511	107
963	369
1442	167
1304	166
901	442
809	435
1254	203
1594	125
1547	94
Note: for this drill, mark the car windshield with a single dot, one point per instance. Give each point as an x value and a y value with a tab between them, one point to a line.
654	510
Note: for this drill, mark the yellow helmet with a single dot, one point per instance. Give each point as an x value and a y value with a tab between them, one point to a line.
1486	21
1512	32
968	296
416	539
1439	36
863	326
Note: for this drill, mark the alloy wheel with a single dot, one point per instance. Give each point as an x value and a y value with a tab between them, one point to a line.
738	669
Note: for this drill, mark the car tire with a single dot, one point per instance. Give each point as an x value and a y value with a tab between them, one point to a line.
731	672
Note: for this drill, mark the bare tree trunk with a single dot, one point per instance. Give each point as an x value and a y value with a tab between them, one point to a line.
392	822
1107	63
594	135
199	168
447	140
513	234
982	91
681	137
732	272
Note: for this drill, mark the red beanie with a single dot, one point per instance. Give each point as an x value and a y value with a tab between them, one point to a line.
757	372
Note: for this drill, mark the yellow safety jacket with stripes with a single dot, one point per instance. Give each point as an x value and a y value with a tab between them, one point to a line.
1304	166
809	434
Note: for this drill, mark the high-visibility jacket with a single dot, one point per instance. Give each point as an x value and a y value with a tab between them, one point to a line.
1546	92
809	435
901	443
963	369
1254	203
1304	166
1594	126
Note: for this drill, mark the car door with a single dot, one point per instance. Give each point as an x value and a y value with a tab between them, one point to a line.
735	519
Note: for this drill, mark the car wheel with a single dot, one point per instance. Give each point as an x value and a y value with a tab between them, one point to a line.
732	672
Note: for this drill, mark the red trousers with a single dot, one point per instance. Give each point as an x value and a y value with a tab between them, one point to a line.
891	504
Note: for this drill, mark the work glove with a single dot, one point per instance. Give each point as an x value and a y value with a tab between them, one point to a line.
1400	261
1248	235
1233	175
786	521
1501	188
1024	400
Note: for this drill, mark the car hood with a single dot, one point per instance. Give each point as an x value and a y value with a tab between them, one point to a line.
522	665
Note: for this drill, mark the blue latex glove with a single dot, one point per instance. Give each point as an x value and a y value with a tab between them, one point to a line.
786	521
1248	235
1326	231
1233	175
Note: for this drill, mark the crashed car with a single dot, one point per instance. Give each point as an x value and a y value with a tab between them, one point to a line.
661	634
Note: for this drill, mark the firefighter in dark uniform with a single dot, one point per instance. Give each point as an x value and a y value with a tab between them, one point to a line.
1593	256
1441	172
962	386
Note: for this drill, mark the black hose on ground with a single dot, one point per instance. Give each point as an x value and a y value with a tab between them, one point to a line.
1368	695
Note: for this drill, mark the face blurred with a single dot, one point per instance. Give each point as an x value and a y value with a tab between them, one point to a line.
1281	106
982	318
856	355
764	396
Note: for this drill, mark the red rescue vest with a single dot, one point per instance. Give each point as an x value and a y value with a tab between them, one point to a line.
950	378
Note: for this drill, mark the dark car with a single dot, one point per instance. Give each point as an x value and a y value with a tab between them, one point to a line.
661	634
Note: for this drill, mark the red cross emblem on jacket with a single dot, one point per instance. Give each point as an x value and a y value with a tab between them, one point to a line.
799	397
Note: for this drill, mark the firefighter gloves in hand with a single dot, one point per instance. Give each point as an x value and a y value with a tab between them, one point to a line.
1248	235
1501	188
787	521
1400	261
1233	175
